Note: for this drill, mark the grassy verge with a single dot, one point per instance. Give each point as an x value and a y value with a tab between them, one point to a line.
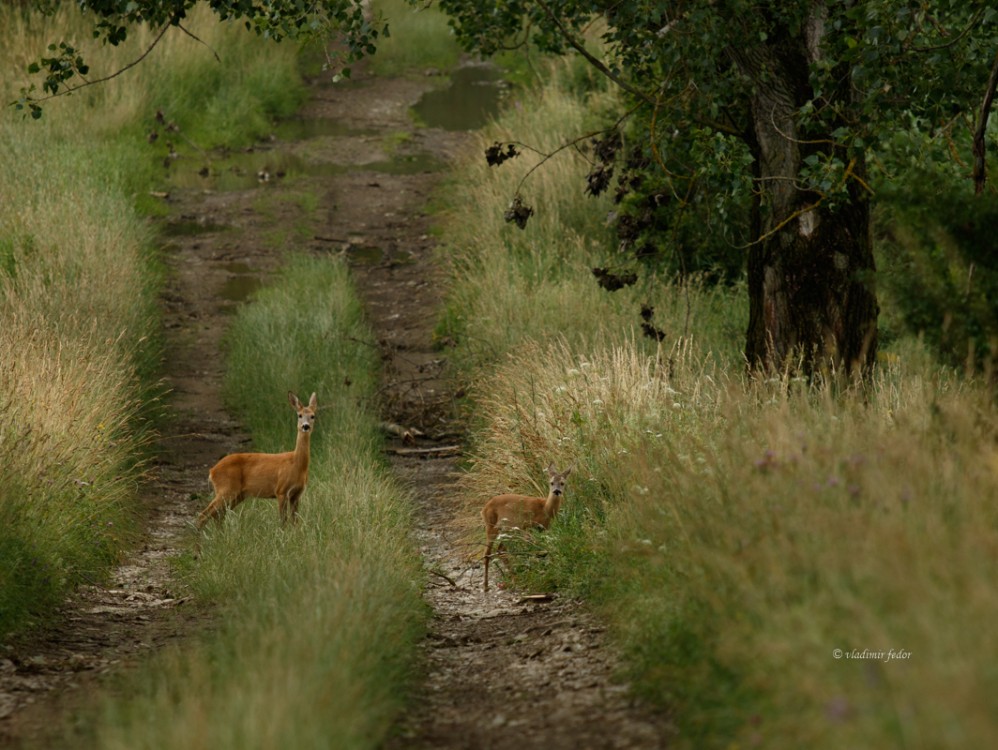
783	566
318	620
78	322
419	39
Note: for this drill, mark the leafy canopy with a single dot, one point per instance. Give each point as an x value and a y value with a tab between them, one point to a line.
879	63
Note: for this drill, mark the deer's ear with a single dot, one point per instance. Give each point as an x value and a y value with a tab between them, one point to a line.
567	471
312	403
551	470
293	400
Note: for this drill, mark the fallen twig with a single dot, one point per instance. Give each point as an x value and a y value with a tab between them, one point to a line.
446	577
443	450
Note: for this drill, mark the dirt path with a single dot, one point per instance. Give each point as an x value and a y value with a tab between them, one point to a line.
502	671
350	175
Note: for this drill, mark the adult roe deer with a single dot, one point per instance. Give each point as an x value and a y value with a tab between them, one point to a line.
281	475
521	511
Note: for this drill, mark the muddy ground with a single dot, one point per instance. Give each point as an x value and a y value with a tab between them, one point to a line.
350	175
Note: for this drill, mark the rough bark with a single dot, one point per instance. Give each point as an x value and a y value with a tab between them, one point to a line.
811	272
811	294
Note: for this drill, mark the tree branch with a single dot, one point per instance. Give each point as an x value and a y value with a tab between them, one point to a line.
596	63
568	144
935	48
980	167
94	82
200	41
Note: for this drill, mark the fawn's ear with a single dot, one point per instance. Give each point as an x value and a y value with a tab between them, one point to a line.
551	470
312	403
293	400
568	471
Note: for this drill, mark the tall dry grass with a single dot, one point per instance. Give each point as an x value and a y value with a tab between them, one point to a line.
78	320
76	345
762	548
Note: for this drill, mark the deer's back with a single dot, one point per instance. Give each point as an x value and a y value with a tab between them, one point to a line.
252	474
515	510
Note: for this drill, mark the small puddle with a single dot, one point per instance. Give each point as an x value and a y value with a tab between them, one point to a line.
258	168
408	164
241	170
190	227
366	254
307	128
471	99
243	282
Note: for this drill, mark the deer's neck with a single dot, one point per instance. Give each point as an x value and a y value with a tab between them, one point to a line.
301	452
551	505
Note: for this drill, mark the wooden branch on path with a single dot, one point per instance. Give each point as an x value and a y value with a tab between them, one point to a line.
438	451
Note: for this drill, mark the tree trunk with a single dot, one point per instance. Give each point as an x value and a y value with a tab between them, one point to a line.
811	293
811	272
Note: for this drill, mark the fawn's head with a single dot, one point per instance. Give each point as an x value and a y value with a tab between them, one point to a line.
306	414
556	479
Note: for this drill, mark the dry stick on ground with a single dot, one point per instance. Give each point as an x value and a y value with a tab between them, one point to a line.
436	451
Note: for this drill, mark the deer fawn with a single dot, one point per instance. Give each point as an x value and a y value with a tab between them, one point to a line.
281	475
520	511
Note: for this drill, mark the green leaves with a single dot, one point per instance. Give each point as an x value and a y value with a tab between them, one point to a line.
274	20
60	67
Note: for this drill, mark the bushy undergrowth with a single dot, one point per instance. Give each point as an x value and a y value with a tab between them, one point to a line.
78	322
934	241
785	565
318	619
